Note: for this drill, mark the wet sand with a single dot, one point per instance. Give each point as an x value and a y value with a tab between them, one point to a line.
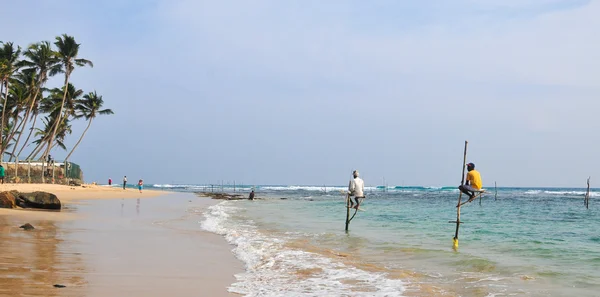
115	247
86	192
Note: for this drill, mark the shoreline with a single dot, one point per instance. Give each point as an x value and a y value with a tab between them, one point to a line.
70	195
102	246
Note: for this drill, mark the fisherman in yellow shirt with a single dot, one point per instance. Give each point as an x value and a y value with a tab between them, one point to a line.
473	183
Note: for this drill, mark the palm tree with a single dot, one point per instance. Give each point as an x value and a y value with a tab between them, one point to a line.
67	52
9	63
18	97
88	108
6	140
53	102
44	134
25	80
41	61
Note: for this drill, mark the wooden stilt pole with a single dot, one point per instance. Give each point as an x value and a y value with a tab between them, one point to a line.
495	192
587	195
347	211
462	182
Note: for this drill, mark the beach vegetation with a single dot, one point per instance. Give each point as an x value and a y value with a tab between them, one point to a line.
36	118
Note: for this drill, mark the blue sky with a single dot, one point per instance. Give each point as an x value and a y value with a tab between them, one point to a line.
302	92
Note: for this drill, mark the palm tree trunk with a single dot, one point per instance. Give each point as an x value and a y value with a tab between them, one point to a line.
2	147
80	138
13	132
3	107
33	100
58	121
37	149
21	127
28	136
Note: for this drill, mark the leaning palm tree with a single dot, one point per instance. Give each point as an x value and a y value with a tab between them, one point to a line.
18	100
6	141
40	62
52	104
44	135
9	64
67	52
26	82
89	108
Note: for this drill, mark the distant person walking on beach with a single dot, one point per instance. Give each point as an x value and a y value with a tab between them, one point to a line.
109	181
2	173
124	182
356	188
140	185
473	183
251	196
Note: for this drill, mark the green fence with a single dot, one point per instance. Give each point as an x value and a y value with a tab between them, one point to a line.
73	171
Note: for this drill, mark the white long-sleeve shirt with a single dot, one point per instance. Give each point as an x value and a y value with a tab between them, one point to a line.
356	187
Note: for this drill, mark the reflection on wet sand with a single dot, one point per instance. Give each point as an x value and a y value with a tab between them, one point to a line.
32	262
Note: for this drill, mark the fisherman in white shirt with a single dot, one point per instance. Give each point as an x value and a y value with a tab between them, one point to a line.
356	188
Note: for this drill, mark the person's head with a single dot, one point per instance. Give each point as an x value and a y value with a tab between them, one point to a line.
355	173
470	166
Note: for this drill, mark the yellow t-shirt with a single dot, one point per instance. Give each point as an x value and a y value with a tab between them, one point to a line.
474	179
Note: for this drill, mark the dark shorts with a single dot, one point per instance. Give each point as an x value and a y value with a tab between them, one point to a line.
468	188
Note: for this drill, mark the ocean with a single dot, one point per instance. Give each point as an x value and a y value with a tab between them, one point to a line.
516	242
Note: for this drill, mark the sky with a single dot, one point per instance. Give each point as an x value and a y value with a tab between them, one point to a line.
303	92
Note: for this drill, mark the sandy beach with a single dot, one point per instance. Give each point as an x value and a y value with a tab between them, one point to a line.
105	242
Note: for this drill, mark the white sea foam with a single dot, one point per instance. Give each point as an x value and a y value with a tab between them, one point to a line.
571	193
271	267
173	186
311	188
561	193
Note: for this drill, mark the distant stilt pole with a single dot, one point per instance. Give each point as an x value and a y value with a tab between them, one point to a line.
462	182
495	192
586	201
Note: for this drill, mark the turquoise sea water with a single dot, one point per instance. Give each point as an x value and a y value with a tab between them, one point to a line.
524	242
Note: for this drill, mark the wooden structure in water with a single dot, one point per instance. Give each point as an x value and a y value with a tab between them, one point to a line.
462	182
586	200
348	208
